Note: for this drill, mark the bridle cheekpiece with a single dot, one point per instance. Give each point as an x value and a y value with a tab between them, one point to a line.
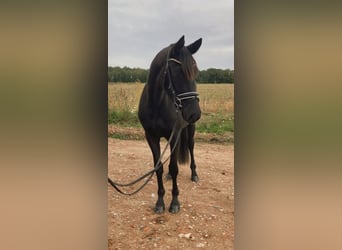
178	98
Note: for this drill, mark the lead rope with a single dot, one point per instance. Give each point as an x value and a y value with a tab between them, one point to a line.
151	172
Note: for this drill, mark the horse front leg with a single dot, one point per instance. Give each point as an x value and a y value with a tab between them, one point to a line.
173	168
160	205
154	143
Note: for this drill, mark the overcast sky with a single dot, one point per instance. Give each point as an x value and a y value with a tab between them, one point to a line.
139	29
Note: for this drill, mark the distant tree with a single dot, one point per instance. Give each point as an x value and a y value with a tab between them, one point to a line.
126	74
213	75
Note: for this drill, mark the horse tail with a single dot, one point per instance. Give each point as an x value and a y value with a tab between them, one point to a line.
183	148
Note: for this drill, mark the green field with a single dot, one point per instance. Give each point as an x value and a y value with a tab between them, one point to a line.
216	101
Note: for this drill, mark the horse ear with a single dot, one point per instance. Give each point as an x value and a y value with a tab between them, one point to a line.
194	46
178	45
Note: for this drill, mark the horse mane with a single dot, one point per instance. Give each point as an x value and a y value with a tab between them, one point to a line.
188	64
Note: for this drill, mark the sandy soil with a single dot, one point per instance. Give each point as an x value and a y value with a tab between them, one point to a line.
206	218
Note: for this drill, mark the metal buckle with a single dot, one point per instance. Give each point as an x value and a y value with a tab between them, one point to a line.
178	103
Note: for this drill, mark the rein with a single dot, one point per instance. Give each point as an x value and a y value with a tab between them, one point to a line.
177	99
151	172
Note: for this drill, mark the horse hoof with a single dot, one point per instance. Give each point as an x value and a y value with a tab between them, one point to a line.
195	178
174	209
159	209
168	176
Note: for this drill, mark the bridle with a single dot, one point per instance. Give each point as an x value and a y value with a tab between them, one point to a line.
177	99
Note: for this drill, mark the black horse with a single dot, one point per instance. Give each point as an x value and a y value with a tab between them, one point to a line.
169	102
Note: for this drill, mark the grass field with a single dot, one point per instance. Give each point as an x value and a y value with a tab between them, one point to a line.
216	102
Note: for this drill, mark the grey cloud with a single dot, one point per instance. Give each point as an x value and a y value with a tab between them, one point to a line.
137	30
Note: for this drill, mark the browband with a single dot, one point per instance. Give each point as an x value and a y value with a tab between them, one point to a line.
175	60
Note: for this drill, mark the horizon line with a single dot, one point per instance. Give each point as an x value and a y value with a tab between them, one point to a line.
148	68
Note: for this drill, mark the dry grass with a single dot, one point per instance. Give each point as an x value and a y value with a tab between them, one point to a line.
124	96
216	101
214	98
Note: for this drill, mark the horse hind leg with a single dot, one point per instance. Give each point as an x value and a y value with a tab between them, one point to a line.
154	144
168	176
191	133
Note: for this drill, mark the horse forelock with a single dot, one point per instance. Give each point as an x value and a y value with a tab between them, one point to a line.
188	64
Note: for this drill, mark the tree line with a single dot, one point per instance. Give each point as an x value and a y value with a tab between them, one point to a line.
126	74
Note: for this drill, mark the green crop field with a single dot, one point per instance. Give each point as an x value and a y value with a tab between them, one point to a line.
216	102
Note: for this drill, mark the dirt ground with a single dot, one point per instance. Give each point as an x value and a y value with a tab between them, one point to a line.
206	217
